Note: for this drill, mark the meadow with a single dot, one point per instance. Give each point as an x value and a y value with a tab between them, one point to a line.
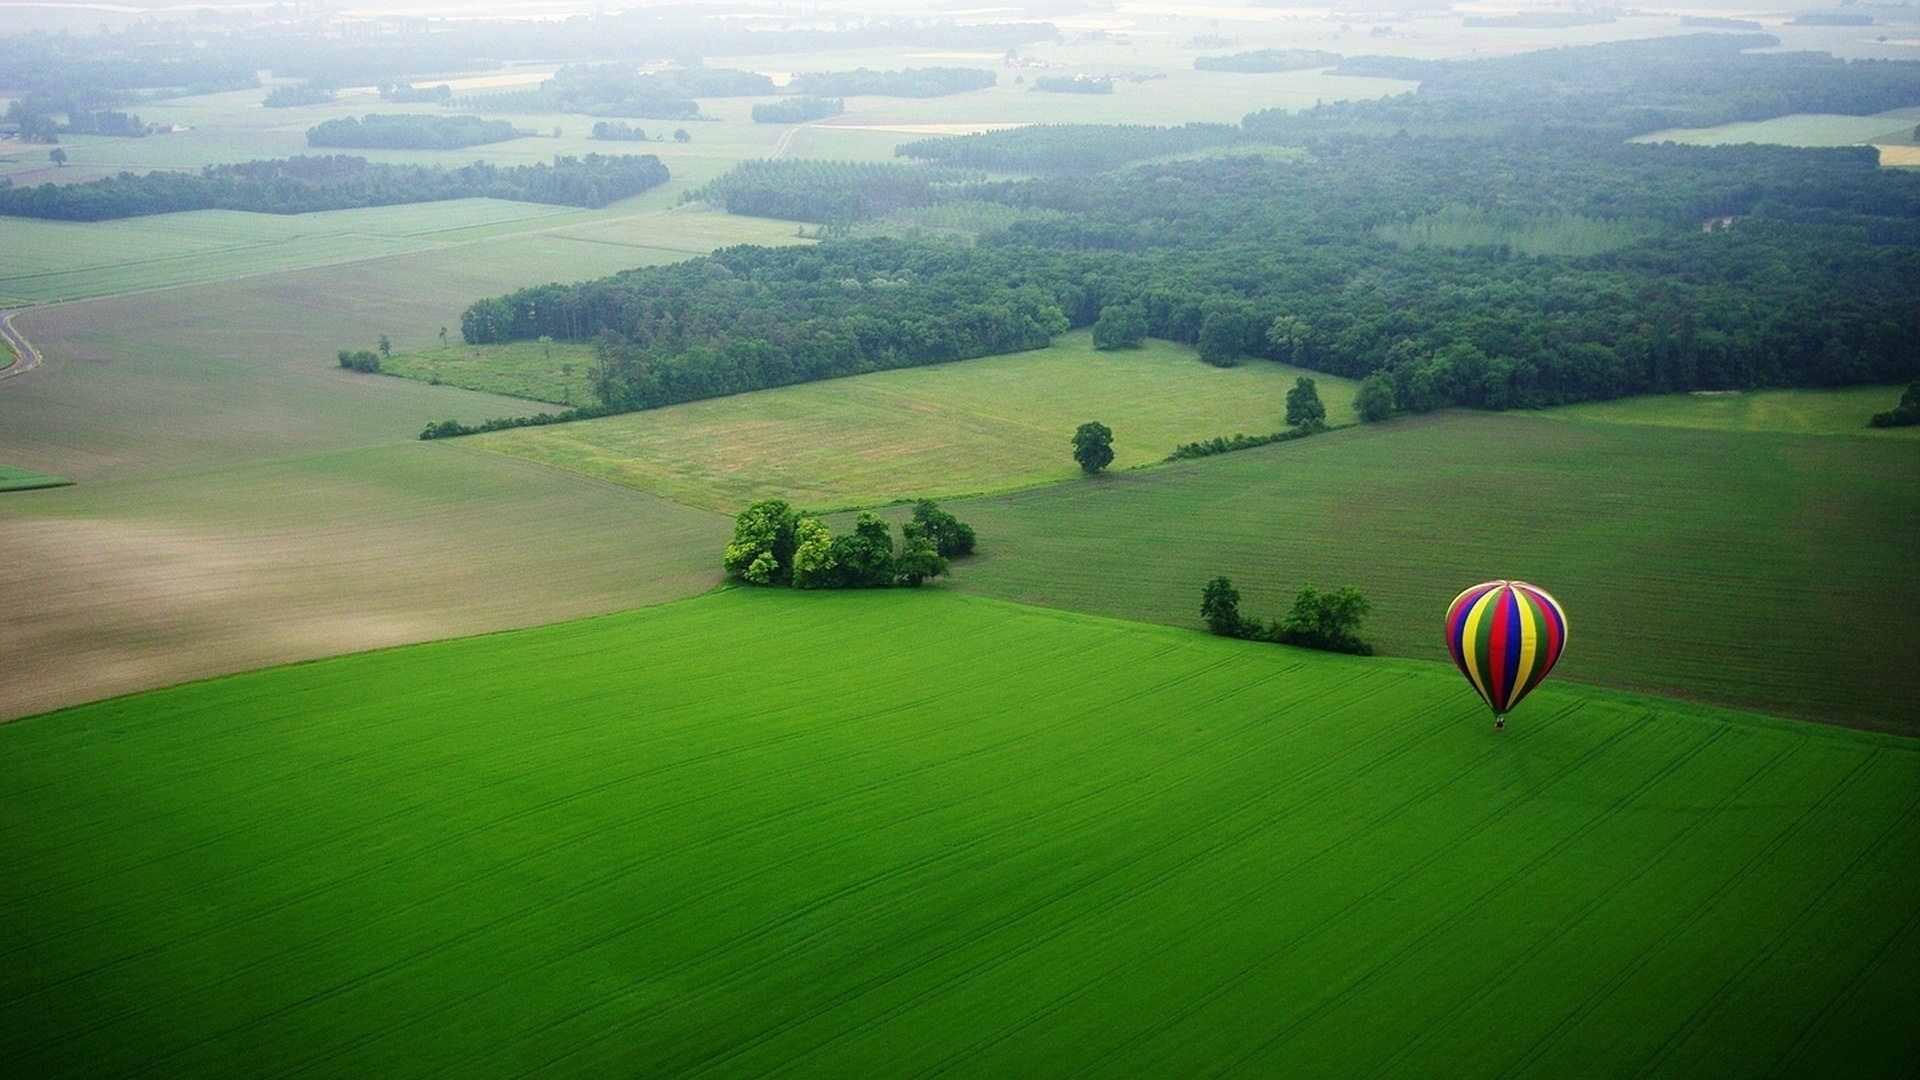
974	426
1842	411
1747	568
1801	129
979	840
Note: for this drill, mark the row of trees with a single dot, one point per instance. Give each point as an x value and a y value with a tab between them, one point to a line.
829	192
911	82
619	90
798	110
773	544
1317	620
410	131
301	184
1268	60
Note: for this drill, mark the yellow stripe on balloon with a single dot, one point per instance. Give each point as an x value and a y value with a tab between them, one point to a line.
1469	634
1529	642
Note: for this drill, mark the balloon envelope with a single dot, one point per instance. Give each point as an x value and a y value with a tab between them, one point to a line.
1505	636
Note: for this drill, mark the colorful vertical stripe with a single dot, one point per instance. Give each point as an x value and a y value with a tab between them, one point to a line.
1505	636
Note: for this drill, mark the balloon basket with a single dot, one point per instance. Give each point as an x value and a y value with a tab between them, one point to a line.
1499	723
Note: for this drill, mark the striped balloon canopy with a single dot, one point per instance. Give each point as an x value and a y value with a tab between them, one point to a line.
1505	636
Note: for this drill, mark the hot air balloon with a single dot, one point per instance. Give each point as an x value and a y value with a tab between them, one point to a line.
1505	636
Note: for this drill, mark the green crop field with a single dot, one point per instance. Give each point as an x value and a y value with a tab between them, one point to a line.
1795	412
1801	129
12	479
1760	570
911	834
972	426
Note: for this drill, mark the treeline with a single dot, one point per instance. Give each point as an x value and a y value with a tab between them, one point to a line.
911	82
301	184
619	90
829	192
617	131
1317	620
108	69
1268	60
797	110
402	93
105	122
747	318
1067	148
410	131
288	97
1599	94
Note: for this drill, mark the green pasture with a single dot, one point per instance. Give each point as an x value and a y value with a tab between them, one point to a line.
12	479
773	833
554	372
972	426
1765	571
1843	411
1801	129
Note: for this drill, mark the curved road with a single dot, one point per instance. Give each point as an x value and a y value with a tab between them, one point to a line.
25	356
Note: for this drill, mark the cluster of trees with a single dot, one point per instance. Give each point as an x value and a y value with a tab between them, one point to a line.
404	93
411	131
619	90
1317	620
911	82
35	115
829	192
797	110
1074	149
1072	84
301	184
773	544
1268	60
293	95
1905	414
617	131
362	360
104	122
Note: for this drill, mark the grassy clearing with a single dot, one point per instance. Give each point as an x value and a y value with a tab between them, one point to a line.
1800	129
983	840
1793	412
1768	571
554	373
1567	235
977	425
12	479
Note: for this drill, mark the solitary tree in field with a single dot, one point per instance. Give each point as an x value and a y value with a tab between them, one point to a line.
1220	606
1093	446
1304	409
443	337
386	347
58	157
680	135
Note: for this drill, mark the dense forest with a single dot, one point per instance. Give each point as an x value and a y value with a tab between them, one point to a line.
301	184
912	82
1485	271
830	192
410	131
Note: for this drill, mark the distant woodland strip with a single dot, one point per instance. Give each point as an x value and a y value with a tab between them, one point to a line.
301	184
1068	148
1267	60
829	192
410	131
912	82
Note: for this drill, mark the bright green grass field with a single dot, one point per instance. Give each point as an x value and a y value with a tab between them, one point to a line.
909	834
12	479
976	425
1754	569
555	372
